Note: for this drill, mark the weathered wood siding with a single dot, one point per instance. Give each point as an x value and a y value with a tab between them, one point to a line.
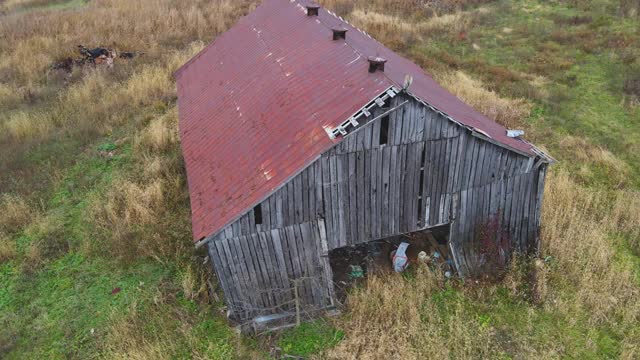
256	270
429	171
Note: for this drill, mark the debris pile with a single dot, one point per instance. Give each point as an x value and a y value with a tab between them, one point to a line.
93	56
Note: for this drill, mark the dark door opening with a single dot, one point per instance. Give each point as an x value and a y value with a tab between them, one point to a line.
352	264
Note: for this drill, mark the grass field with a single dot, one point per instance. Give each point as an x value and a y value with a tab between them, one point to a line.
96	259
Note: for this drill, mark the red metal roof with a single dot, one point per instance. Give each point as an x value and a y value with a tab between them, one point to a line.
253	104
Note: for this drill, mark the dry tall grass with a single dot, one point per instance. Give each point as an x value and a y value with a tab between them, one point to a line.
27	126
45	104
125	340
397	318
577	229
160	135
7	248
15	213
585	153
394	318
398	24
408	8
31	42
510	113
135	212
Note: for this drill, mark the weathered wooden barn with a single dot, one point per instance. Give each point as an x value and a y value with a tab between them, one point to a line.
301	134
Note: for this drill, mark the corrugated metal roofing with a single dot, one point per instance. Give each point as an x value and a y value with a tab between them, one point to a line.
253	105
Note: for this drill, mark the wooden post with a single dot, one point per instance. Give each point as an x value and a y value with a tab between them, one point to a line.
297	300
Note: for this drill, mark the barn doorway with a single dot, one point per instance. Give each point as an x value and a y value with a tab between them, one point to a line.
352	264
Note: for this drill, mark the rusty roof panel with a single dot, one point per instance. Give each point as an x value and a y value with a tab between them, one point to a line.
253	104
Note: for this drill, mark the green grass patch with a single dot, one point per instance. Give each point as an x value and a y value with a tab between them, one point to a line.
309	338
52	312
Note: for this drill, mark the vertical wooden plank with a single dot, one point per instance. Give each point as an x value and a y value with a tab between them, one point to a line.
375	134
406	124
288	253
430	125
298	199
367	136
235	228
294	257
481	164
342	198
252	221
461	153
526	210
446	165
273	211
400	184
311	192
398	125
328	201
380	186
406	182
437	169
393	192
303	245
282	255
434	130
428	182
291	199
506	204
415	185
516	211
269	268
368	209
515	204
412	170
259	297
373	179
440	153
352	217
238	268
533	195
306	245
306	202
279	209
335	200
263	283
359	236
319	197
225	278
284	195
385	190
324	259
266	215
465	174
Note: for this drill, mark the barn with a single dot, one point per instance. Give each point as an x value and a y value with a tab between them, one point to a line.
310	149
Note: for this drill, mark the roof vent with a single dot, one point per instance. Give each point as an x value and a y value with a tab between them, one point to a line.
339	33
376	63
312	10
